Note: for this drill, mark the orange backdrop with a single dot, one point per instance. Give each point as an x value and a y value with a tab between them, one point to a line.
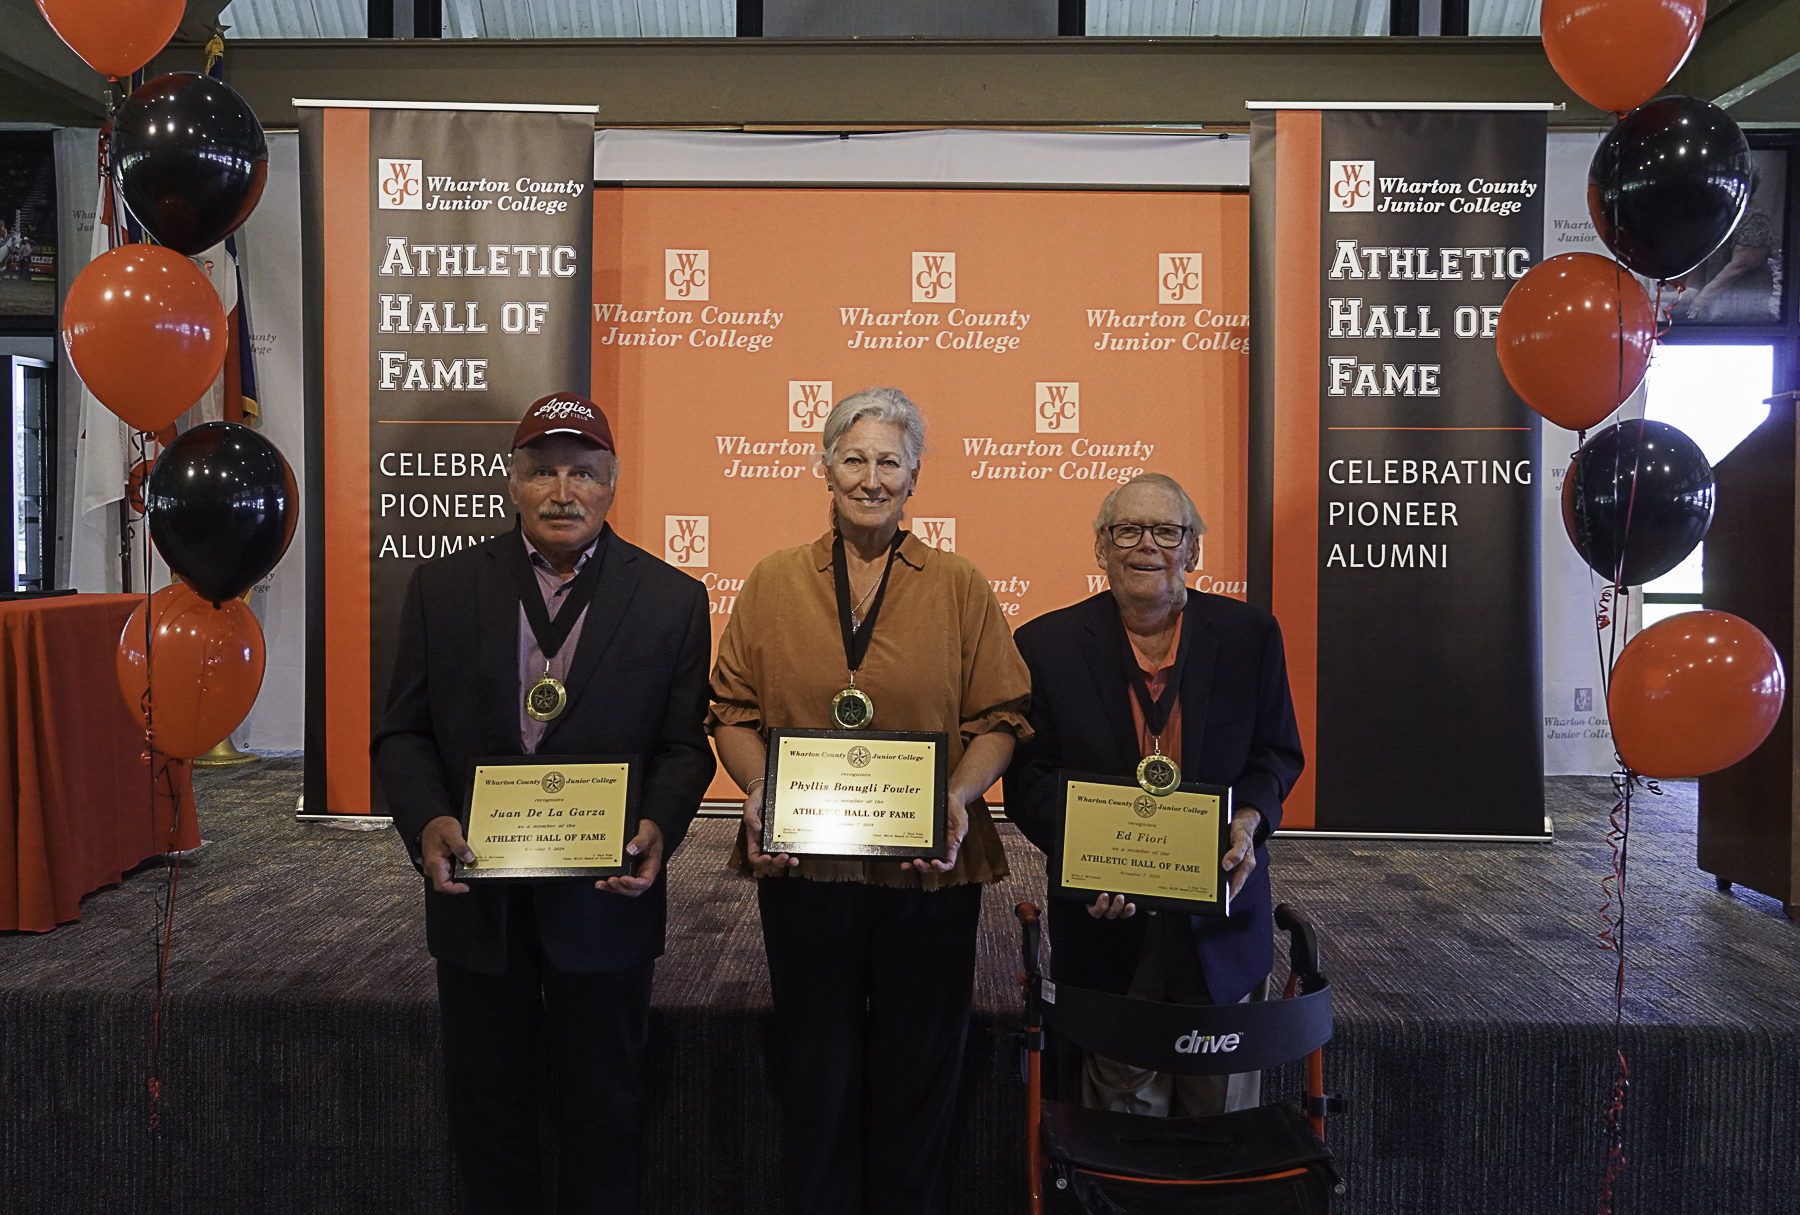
1057	342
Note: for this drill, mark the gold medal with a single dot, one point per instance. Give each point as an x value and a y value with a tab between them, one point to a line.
851	709
1159	775
546	699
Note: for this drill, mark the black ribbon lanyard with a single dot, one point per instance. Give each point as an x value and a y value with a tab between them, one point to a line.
551	634
1156	711
856	641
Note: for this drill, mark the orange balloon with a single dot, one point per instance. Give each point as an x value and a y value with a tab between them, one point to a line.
1574	338
204	669
1618	54
114	37
146	333
1694	693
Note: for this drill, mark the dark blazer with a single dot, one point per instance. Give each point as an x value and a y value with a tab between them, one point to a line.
637	686
1237	729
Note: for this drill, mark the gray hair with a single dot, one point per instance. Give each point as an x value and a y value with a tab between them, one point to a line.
888	405
1190	514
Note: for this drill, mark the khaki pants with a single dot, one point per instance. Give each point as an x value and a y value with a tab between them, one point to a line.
1168	970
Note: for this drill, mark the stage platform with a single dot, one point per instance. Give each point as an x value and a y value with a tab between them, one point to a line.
1474	1033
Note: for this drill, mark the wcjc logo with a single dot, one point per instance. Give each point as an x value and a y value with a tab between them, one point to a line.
1352	185
685	540
938	533
809	402
1058	408
686	275
1178	278
934	278
399	185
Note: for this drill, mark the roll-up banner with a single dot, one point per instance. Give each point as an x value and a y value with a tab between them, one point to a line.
448	263
1394	474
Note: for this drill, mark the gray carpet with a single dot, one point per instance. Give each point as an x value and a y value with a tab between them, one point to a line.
1474	1032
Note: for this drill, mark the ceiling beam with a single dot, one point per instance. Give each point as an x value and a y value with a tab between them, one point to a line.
1743	50
49	78
902	82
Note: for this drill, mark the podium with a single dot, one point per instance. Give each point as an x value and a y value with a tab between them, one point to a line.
1750	812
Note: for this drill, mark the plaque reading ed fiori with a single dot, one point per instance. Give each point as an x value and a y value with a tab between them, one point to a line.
538	816
1160	850
855	794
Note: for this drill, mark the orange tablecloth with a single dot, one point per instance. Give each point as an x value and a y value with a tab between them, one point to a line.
75	787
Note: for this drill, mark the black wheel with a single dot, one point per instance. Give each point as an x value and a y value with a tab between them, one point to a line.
1722	883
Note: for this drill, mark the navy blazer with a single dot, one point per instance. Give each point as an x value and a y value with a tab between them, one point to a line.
637	686
1237	729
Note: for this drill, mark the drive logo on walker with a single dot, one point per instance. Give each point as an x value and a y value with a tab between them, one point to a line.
938	533
809	402
400	185
1058	407
1197	1043
1352	186
1178	278
934	278
686	275
685	540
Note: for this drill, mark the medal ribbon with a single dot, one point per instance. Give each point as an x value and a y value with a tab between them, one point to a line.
1156	709
551	634
856	641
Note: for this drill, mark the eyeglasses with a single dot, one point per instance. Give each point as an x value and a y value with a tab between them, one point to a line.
1130	535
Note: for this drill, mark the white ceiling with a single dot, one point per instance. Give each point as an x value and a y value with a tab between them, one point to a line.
718	18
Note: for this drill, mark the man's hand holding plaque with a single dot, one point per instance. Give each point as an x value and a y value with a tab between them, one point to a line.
552	817
1159	851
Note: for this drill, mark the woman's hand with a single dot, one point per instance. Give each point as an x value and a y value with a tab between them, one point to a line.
763	864
955	828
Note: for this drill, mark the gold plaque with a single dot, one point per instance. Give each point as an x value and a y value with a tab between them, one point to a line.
863	794
1162	850
540	816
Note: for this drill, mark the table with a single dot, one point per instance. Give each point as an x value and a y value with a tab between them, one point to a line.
75	780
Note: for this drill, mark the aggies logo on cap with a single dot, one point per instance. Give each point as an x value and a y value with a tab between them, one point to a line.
400	185
685	540
560	408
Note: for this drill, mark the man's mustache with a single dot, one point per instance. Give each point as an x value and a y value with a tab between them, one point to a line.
549	512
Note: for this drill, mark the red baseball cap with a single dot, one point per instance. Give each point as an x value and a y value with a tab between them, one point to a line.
564	413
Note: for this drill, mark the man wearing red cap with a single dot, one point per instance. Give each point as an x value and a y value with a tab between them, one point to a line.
556	638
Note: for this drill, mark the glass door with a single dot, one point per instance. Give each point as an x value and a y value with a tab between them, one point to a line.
30	494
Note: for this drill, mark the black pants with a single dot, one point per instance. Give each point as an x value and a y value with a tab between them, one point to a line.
872	989
537	1034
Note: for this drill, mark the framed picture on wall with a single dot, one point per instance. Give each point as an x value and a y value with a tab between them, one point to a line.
27	227
1744	282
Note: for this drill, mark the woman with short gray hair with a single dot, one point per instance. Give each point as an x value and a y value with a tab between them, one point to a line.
871	962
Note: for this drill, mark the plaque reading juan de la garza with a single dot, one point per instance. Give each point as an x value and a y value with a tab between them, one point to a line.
1158	851
860	794
550	816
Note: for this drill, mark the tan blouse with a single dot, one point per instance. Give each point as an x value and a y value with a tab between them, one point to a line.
941	660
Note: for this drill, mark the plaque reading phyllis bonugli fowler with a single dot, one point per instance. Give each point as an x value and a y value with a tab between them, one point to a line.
860	794
1161	851
550	816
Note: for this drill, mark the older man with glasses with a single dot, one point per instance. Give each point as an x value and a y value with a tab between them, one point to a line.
1145	668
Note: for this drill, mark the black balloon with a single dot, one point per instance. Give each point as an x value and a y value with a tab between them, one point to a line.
1668	184
223	506
190	160
1640	492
